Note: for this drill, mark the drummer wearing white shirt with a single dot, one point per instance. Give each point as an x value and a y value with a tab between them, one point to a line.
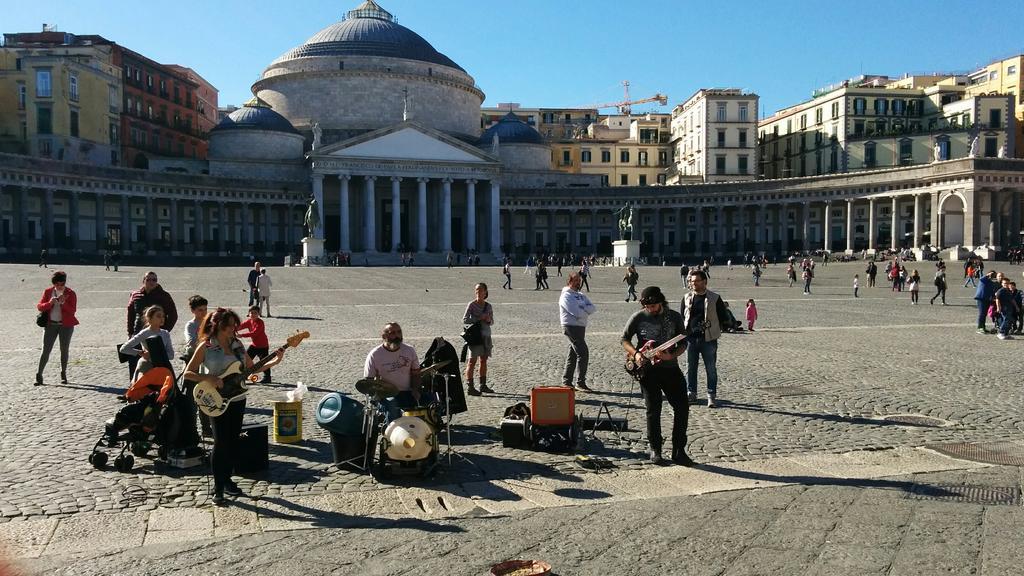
397	364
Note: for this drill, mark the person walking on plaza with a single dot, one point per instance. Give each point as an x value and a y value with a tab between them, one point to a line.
791	274
969	273
574	310
255	329
149	294
479	310
684	275
987	287
703	311
808	277
755	272
263	285
872	272
42	257
940	286
585	273
631	278
254	275
656	323
751	314
914	285
106	260
507	271
58	304
856	285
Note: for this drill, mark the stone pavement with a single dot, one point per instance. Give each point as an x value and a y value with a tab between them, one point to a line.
810	388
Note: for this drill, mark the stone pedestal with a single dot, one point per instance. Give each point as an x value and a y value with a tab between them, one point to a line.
625	252
312	251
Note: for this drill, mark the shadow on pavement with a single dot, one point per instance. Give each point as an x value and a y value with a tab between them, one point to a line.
328	519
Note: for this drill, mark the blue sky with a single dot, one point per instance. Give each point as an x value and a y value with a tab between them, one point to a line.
557	53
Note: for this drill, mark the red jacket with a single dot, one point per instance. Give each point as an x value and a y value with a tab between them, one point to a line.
256	330
67	310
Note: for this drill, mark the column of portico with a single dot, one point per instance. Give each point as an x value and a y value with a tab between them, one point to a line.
446	215
782	223
871	225
530	236
126	224
200	226
174	225
826	223
48	218
396	216
849	226
593	230
100	223
421	214
993	220
572	230
470	214
21	222
268	217
1015	218
495	217
151	225
659	234
917	221
318	195
222	221
677	247
551	230
761	229
369	215
720	243
244	238
699	229
806	237
73	225
893	223
344	218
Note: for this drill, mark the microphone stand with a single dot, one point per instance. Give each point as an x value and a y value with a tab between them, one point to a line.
448	427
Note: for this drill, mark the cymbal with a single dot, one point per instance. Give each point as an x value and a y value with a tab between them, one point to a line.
433	368
376	387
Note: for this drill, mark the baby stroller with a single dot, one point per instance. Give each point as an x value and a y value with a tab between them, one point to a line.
138	424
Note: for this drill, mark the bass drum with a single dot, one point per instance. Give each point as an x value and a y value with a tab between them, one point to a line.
408	439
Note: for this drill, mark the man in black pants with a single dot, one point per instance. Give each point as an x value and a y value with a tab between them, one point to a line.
657	323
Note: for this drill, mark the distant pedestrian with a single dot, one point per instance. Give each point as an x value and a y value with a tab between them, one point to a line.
106	259
507	271
263	285
684	275
59	304
808	277
255	329
479	310
115	259
856	285
987	287
631	278
751	314
585	273
42	257
254	274
756	274
791	274
1006	307
940	286
872	272
914	284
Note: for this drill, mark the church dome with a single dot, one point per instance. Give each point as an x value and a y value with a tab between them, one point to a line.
511	130
255	115
369	30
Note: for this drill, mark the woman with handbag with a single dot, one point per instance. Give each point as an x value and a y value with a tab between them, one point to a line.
57	319
480	312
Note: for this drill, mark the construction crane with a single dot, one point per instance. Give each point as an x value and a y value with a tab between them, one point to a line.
625	106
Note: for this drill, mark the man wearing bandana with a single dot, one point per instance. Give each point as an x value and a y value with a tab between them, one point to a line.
395	363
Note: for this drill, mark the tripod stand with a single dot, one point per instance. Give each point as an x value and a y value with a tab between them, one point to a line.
364	462
450	452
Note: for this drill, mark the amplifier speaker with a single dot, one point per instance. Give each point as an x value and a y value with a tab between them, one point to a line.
253	455
552	405
513	433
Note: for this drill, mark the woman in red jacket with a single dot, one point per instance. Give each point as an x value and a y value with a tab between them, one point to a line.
60	303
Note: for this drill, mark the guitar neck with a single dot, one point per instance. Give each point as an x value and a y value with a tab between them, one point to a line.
264	361
651	353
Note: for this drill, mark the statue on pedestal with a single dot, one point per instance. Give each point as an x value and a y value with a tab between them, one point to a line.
312	218
318	133
973	153
625	222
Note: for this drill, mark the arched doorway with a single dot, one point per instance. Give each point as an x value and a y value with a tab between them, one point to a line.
951	220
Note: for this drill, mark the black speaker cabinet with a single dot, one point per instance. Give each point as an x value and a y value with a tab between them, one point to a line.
252	454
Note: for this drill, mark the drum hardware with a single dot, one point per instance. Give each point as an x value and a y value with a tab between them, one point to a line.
450	452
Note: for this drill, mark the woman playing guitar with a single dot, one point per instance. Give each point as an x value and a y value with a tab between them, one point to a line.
220	348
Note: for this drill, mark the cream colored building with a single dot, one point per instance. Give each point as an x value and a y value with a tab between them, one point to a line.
1002	77
622	150
714	137
874	122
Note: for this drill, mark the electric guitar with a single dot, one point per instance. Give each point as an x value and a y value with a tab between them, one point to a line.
214	402
650	352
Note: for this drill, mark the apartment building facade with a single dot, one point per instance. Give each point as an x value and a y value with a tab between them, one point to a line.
714	137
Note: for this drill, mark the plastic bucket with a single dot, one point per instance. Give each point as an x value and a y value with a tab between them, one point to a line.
287	422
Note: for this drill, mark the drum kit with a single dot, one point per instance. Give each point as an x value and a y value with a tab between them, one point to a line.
402	440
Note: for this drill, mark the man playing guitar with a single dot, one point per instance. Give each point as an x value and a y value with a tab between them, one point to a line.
656	324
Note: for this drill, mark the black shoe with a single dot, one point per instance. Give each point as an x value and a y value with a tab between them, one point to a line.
39	380
63	378
683	460
582	387
218	498
232	489
691	398
655	457
485	388
472	391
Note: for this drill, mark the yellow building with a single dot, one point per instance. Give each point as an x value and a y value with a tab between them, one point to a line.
874	122
1002	77
60	97
623	150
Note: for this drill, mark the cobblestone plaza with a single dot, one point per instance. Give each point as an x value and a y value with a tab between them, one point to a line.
810	389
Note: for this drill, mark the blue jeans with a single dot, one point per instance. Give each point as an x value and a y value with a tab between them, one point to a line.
982	312
1006	322
709	352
